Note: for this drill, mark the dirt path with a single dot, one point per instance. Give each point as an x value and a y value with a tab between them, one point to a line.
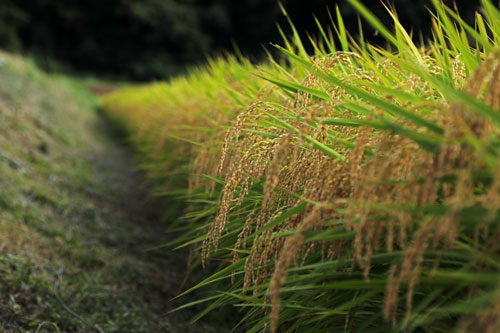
130	222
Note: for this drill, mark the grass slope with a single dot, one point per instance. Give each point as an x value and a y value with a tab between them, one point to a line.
75	218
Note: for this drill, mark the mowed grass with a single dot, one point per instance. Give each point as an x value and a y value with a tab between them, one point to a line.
353	189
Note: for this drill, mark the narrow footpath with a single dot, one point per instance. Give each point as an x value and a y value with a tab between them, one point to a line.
130	222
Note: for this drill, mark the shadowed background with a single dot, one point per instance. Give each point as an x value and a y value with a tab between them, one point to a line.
155	39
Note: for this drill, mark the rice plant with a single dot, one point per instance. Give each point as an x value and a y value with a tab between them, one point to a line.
354	189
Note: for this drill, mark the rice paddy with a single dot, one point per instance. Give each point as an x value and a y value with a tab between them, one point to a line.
355	188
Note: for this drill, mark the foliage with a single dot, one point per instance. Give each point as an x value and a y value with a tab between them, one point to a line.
11	19
355	189
152	39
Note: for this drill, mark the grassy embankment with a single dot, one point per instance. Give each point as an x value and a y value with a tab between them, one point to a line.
74	218
356	189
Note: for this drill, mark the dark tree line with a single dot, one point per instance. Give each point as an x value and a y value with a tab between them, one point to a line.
148	39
